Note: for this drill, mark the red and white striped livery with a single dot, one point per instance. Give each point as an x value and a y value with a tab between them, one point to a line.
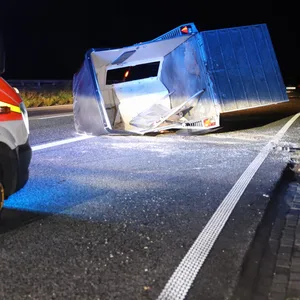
15	150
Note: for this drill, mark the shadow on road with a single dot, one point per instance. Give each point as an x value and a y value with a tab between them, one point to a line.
12	219
256	117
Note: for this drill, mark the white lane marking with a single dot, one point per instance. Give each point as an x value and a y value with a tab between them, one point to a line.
61	142
180	282
51	117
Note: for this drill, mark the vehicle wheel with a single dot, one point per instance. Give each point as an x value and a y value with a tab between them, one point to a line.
1	193
8	169
1	197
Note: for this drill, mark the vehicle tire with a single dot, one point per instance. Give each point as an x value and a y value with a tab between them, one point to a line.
8	169
1	196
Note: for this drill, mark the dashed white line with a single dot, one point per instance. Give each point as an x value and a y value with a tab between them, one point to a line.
181	281
61	142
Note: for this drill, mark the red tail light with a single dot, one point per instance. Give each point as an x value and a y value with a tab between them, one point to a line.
4	110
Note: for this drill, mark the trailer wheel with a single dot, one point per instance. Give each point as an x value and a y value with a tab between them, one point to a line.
8	169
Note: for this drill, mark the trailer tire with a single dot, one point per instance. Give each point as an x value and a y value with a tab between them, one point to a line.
8	169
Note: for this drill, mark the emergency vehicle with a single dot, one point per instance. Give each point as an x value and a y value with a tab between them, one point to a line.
15	150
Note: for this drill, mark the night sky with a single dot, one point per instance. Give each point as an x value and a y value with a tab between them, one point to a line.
47	39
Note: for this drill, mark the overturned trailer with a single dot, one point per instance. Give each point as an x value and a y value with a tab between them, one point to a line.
184	79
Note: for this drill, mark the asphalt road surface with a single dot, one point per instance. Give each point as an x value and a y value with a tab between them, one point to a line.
141	217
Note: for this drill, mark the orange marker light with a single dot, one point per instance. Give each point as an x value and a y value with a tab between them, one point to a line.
207	122
126	74
184	29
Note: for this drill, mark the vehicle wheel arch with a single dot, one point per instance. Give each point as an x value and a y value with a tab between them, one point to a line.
7	138
8	168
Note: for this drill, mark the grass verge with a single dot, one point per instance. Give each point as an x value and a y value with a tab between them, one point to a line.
38	98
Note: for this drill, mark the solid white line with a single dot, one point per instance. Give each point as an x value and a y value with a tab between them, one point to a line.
50	117
180	282
61	142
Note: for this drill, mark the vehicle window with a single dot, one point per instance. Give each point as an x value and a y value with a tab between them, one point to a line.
131	73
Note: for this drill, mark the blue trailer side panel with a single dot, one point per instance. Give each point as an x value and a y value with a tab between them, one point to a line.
243	67
88	118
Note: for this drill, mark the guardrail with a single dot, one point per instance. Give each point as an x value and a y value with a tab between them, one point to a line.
38	84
